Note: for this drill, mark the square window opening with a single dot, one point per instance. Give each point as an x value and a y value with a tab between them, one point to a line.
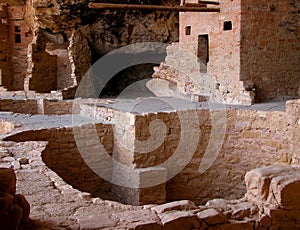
17	29
188	30
227	25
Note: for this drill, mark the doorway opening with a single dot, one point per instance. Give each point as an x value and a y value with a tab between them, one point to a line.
203	52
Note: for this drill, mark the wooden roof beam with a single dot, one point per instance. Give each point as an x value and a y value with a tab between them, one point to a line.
111	6
209	2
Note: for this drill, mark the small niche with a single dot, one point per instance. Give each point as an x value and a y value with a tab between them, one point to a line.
227	25
188	30
17	29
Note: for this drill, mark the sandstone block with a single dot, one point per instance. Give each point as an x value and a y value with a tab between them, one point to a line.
139	219
4	153
275	185
279	215
221	205
182	205
16	165
7	159
97	222
7	181
179	220
234	225
258	181
242	210
286	191
211	217
5	165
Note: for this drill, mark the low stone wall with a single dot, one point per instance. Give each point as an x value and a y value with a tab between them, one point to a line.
268	204
19	106
63	157
57	107
37	106
251	139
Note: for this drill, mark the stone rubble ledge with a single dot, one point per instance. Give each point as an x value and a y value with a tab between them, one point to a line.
257	210
277	186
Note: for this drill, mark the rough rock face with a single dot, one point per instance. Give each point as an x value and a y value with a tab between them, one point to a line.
277	186
58	15
105	29
14	209
88	35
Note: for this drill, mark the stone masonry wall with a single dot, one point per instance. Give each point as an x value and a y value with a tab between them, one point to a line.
80	55
43	73
270	52
251	45
37	106
63	156
293	109
19	106
57	107
42	67
251	139
223	62
5	58
19	48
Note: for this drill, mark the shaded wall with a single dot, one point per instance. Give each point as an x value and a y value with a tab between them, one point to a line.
20	35
62	156
5	57
270	53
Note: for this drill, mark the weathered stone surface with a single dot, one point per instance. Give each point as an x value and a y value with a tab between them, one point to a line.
211	217
233	209
8	159
139	219
242	210
7	181
16	165
286	190
234	225
4	153
97	222
276	185
221	205
182	205
179	220
279	215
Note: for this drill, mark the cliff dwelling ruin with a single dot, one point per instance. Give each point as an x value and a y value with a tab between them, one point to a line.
144	114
